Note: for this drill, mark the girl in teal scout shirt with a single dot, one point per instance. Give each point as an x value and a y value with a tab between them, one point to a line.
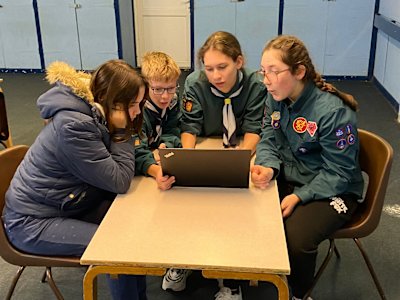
224	99
161	115
309	141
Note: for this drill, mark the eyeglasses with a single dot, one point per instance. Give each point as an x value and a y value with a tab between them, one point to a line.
272	76
160	91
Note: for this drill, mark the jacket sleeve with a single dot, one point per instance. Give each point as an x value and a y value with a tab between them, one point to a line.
85	155
267	154
338	164
254	108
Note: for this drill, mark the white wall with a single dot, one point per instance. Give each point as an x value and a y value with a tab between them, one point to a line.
387	57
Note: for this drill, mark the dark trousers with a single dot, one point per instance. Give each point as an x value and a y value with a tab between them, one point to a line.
309	225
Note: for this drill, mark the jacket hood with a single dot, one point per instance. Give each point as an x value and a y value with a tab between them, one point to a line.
71	91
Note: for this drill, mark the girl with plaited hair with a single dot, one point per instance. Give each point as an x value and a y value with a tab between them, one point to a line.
309	143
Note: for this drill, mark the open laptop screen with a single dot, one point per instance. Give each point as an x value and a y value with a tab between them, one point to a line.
207	167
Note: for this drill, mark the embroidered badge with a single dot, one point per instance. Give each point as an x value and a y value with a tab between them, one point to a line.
338	204
275	122
339	132
349	128
351	139
312	128
341	144
300	125
276	115
187	104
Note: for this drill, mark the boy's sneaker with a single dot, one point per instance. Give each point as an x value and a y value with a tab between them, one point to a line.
226	293
175	279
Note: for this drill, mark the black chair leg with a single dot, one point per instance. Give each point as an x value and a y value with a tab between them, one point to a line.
370	268
53	286
332	248
14	282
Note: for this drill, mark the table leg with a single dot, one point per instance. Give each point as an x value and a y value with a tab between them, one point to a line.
90	278
279	281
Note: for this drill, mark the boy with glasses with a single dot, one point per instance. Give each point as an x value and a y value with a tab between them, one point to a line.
161	115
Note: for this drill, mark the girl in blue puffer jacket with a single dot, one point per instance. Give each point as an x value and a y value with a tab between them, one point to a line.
81	159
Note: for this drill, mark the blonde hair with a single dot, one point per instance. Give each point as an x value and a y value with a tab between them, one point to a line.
294	53
159	66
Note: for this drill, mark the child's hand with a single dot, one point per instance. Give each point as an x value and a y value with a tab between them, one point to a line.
261	176
164	182
288	204
118	118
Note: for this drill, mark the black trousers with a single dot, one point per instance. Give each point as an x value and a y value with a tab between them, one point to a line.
309	225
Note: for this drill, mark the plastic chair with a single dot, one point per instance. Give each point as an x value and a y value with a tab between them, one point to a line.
10	158
5	136
376	157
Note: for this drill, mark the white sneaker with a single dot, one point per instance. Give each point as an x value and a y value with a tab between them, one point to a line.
295	298
225	293
175	279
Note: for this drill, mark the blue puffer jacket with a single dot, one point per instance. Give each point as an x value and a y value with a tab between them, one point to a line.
73	151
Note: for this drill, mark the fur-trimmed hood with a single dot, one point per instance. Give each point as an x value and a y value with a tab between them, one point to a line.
77	81
71	91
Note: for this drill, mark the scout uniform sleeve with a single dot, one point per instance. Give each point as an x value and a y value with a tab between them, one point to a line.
267	154
192	112
339	142
171	132
143	155
254	109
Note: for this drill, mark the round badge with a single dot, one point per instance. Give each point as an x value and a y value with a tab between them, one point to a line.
341	144
351	139
276	124
300	125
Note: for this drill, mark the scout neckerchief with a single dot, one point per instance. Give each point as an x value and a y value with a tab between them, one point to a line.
160	115
228	118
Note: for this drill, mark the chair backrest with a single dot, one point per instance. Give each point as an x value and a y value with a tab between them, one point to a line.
10	159
375	158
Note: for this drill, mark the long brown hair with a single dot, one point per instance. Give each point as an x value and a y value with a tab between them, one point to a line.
294	53
117	82
222	41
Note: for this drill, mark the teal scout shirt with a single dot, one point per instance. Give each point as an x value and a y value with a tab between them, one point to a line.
315	141
202	110
170	136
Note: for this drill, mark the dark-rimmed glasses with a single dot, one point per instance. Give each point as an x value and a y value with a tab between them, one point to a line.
160	91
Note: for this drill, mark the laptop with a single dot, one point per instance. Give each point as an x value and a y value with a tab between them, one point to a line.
207	167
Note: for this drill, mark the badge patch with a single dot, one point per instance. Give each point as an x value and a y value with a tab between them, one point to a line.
341	144
351	139
339	132
187	104
300	125
312	128
275	124
349	128
276	115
